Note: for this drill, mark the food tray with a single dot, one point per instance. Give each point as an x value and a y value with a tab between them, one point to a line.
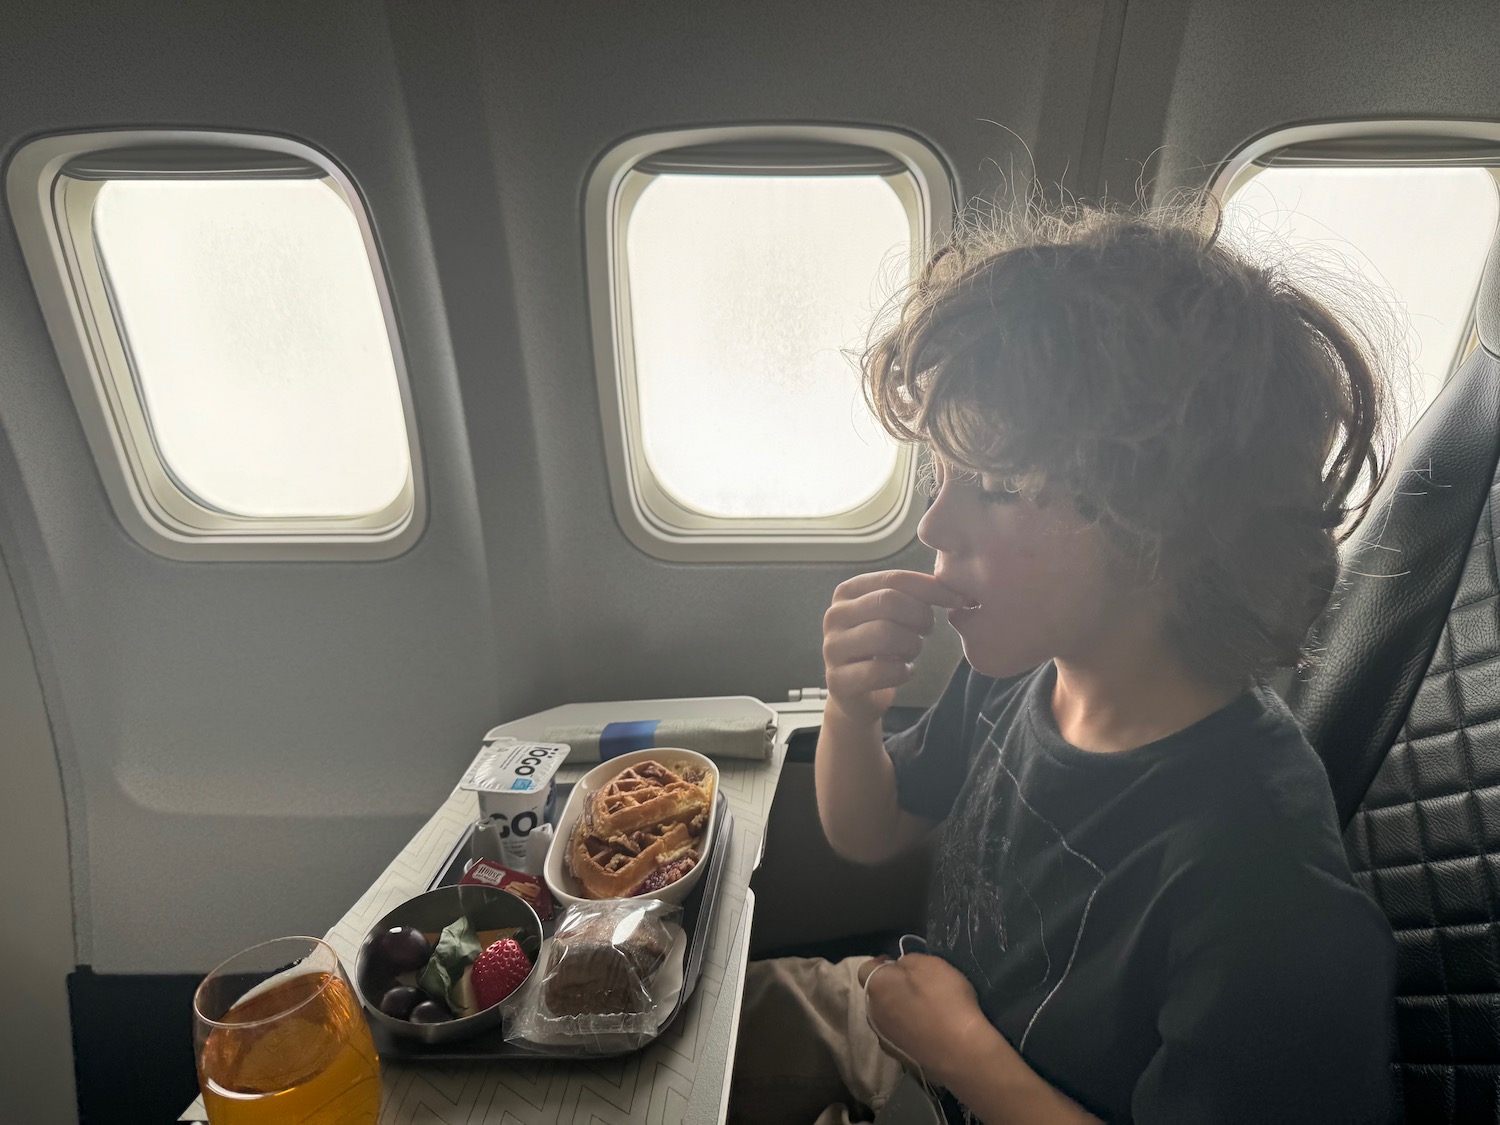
698	911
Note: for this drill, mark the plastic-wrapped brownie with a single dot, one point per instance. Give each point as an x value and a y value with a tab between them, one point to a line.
604	958
602	985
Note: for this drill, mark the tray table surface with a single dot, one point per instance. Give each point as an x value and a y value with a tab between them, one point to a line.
681	1077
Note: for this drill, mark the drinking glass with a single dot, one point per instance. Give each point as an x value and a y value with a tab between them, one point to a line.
280	1037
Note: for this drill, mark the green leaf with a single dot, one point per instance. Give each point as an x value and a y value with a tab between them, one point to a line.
457	949
433	980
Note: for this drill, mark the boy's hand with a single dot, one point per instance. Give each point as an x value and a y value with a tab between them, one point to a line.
927	1010
872	634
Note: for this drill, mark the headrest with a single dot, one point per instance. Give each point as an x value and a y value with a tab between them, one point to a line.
1487	308
1401	576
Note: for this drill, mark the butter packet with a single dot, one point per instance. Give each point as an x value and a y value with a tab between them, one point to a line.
528	888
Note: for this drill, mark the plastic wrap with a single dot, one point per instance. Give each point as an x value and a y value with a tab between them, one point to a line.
606	979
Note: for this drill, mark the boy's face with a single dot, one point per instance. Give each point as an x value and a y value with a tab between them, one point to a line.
1036	574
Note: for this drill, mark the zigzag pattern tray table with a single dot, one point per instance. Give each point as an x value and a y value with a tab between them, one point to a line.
683	1076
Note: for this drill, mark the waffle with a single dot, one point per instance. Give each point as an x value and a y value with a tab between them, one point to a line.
641	832
648	794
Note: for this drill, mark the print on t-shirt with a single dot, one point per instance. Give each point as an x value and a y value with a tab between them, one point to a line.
1012	895
1097	904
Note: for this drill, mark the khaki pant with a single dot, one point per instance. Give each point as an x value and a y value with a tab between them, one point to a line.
806	1053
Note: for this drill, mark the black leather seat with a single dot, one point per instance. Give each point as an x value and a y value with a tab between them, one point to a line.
1404	707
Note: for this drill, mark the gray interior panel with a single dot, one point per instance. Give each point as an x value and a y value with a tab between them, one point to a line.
1199	79
36	925
244	745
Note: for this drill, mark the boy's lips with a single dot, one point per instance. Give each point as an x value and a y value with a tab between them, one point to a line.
970	602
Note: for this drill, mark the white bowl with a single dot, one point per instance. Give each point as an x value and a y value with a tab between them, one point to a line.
560	881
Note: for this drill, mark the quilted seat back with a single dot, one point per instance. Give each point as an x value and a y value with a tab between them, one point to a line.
1403	705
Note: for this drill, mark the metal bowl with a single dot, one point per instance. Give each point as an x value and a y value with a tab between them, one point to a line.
487	908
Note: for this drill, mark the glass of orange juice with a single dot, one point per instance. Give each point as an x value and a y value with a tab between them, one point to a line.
280	1037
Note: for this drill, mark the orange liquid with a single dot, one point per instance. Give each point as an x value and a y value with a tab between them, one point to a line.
316	1066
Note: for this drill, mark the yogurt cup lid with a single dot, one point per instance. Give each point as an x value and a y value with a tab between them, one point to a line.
507	766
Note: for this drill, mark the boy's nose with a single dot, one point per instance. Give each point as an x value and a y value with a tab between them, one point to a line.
934	528
924	527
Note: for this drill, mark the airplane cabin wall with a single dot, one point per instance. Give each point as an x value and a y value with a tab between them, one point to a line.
548	91
244	745
1198	79
36	926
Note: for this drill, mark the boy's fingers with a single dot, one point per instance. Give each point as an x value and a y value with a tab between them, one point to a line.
867	677
869	641
869	967
913	583
880	605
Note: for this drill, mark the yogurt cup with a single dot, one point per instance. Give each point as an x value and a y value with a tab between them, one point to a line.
513	781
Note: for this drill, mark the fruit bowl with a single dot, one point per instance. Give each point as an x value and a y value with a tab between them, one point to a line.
486	908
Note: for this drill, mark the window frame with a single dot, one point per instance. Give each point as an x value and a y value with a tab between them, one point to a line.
51	189
1384	142
647	513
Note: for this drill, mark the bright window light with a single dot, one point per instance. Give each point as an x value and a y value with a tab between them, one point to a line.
257	343
1416	237
746	293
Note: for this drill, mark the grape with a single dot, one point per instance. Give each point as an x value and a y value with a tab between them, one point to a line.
430	1011
399	1002
401	949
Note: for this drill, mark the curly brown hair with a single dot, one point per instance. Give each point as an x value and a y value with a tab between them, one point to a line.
1218	422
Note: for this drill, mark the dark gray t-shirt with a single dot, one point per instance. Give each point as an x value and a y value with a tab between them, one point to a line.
1166	934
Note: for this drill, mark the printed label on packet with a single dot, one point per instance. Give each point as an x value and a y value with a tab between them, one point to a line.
527	888
507	766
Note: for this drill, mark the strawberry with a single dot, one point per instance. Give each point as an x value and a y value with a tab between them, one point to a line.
498	971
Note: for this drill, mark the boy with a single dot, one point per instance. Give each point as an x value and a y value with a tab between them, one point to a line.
1141	907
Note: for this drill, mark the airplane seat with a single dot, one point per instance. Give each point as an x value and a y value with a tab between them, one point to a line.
1403	705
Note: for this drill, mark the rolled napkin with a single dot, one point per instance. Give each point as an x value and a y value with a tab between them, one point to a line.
716	738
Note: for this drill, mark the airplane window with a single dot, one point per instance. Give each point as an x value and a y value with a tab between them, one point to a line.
257	344
746	291
734	275
1417	235
220	314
